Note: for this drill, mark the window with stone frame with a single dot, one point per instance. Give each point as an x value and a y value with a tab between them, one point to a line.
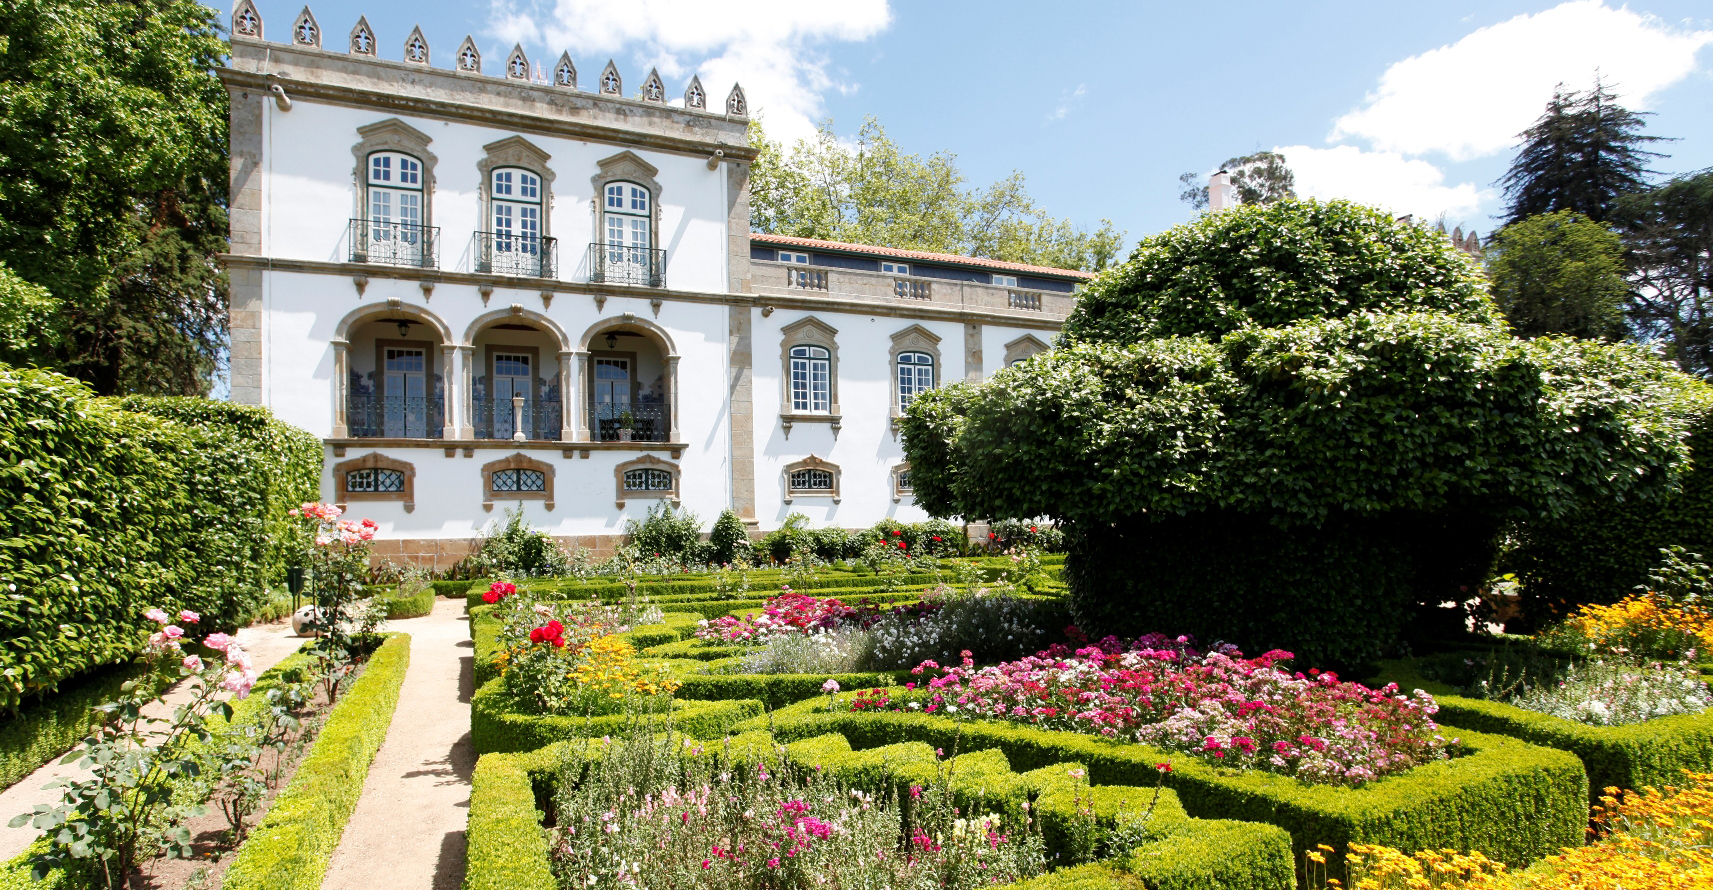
809	387
811	477
901	487
517	477
915	357
375	477
647	477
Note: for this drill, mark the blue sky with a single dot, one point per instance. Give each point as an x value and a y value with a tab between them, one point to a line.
1410	106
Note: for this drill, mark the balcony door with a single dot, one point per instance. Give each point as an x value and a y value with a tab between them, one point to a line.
629	218
612	393
512	376
405	391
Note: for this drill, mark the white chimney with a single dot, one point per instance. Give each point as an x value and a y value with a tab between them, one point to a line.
1219	191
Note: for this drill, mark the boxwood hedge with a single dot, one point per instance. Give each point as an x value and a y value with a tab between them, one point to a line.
1513	801
109	511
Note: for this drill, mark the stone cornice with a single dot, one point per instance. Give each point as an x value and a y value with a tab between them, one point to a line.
362	83
912	309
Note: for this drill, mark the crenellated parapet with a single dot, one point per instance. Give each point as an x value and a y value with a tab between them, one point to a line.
306	33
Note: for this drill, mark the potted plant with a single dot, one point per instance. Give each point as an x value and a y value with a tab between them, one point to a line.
626	422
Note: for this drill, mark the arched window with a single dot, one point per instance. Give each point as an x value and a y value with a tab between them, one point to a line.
648	479
811	379
519	480
393	199
379	481
915	375
517	211
627	227
811	477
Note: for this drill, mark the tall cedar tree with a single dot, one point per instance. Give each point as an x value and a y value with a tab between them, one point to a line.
1582	155
1669	233
113	186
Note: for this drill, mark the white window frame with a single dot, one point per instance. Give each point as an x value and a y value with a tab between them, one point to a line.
908	377
806	396
518	200
801	259
1004	281
895	268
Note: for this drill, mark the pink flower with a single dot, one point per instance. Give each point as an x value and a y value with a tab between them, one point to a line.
192	663
218	641
188	617
707	863
773	863
158	616
173	631
830	687
238	658
238	683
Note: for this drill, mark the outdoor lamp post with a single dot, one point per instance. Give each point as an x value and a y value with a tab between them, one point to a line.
294	583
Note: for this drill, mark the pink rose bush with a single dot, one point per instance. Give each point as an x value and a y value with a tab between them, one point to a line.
796	614
1231	710
236	674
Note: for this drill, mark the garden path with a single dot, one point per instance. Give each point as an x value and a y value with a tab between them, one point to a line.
267	644
408	829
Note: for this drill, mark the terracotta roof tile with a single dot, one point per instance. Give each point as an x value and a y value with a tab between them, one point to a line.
813	244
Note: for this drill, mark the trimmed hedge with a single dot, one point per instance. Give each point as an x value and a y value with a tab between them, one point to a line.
1654	753
109	511
290	848
47	727
410	606
778	690
1513	801
498	723
509	851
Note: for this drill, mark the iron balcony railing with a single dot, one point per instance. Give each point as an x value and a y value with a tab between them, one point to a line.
395	417
543	419
616	264
646	422
504	253
395	243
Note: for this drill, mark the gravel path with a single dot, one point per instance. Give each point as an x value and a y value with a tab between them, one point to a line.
267	645
408	829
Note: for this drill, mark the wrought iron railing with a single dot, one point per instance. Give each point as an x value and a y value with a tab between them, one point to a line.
395	417
650	422
615	264
543	419
395	243
504	253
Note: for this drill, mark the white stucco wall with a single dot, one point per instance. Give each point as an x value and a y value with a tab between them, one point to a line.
310	193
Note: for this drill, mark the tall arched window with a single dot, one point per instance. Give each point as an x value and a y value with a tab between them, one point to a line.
811	379
517	211
394	203
627	227
915	375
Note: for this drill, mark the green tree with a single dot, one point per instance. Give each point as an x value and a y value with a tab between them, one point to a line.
1582	155
1559	273
1669	233
112	183
1292	425
1260	178
29	318
873	192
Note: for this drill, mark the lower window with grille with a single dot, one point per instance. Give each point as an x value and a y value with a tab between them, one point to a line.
648	480
374	481
519	480
811	480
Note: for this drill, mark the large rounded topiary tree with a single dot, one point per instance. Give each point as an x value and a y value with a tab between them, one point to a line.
1285	425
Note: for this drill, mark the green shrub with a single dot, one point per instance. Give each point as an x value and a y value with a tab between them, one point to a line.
1631	757
1220	854
110	511
518	550
667	532
1315	398
728	535
47	726
414	605
507	850
1513	801
455	589
499	724
291	847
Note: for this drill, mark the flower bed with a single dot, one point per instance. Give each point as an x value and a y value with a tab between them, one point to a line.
1639	755
1513	801
1238	712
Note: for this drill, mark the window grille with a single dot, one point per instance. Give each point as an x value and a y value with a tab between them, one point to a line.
811	378
519	480
915	376
375	481
811	480
648	480
904	481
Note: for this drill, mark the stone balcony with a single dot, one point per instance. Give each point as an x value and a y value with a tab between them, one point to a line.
796	280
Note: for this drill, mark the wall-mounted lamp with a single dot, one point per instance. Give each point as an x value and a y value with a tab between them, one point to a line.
612	340
404	328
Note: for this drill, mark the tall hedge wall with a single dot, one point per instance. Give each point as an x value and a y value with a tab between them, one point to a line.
105	511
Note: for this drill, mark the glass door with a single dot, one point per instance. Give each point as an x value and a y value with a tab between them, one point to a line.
511	376
406	393
612	396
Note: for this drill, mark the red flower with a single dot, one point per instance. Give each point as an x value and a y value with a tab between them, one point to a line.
991	536
490	597
1163	767
1033	529
903	546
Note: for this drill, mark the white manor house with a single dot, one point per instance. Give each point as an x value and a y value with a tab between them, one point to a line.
491	290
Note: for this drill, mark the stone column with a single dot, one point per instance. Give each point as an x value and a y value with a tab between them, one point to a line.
972	353
467	373
449	386
740	408
568	403
577	408
672	392
341	388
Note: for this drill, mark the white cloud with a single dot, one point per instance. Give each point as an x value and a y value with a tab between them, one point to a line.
1472	98
1068	100
1382	178
773	47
